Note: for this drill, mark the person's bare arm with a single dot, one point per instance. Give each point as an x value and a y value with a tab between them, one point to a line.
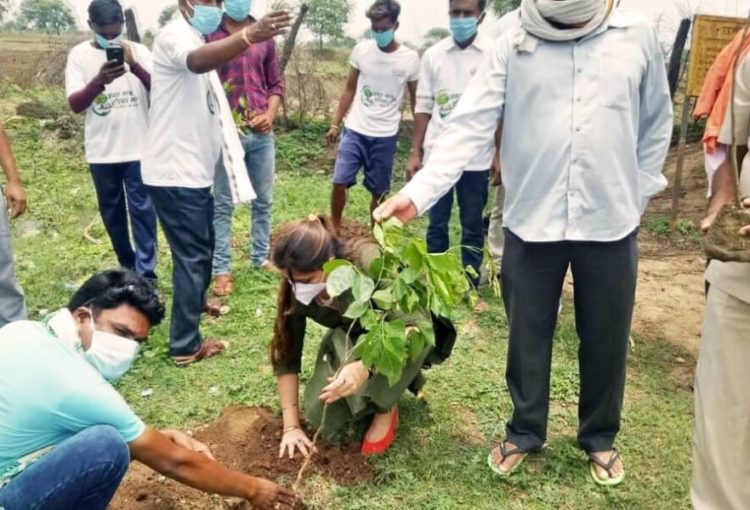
215	54
345	102
162	454
421	121
14	192
723	193
293	437
412	85
263	123
496	178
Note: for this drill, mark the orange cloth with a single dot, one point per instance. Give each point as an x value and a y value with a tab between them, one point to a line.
717	91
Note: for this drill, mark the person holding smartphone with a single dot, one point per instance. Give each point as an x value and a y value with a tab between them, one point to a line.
109	80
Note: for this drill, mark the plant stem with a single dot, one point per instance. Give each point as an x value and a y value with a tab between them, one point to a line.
323	416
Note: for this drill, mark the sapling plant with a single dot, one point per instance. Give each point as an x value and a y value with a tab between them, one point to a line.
394	300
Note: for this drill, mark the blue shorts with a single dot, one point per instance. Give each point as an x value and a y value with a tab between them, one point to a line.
375	154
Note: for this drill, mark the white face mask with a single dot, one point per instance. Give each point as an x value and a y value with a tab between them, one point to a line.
306	292
112	355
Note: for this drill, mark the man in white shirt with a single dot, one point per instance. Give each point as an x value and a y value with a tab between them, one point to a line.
446	70
187	135
582	90
115	96
721	441
381	70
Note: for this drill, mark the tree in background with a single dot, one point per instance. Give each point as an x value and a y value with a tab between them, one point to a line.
327	18
434	36
501	7
4	8
166	14
45	16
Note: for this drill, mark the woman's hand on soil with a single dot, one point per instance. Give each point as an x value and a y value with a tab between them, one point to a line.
188	442
295	439
267	495
350	380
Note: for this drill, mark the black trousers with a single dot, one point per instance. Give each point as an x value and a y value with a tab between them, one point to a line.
604	276
187	218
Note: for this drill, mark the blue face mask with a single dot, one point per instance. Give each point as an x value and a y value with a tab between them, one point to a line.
205	19
464	29
107	43
383	39
238	10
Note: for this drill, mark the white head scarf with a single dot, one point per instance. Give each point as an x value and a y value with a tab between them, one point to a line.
537	17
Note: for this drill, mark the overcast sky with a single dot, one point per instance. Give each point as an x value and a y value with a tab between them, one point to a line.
418	16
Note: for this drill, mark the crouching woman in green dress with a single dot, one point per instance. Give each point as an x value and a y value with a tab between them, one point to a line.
301	248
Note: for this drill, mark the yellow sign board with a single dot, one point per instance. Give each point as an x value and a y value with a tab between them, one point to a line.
710	35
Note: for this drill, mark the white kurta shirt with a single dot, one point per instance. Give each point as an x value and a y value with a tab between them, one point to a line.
587	126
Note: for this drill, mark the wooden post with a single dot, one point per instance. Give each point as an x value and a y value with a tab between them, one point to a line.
677	187
292	37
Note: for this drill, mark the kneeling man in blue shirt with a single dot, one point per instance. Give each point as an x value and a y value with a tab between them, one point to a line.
66	435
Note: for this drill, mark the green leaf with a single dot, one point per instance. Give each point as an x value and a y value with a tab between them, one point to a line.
340	280
356	310
400	288
379	234
332	265
417	344
383	298
414	256
370	319
412	301
410	275
362	288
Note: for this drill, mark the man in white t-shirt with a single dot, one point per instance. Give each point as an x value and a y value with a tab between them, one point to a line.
447	68
381	69
187	133
114	97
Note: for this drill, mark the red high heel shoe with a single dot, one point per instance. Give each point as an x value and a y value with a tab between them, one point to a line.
378	447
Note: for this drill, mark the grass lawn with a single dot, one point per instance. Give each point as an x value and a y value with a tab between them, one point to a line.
439	458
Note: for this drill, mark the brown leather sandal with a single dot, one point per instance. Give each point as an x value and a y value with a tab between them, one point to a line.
209	349
223	285
215	308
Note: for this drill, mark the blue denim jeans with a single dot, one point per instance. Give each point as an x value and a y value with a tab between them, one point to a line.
260	160
187	219
81	473
121	193
12	302
472	192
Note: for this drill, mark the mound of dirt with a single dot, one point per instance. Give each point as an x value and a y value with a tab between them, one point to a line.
244	439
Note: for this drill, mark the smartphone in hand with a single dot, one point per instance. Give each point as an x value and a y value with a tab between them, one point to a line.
116	53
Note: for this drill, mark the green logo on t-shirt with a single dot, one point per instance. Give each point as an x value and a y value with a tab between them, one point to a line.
102	107
446	102
368	96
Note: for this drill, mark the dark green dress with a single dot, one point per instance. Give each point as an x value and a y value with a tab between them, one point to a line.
377	395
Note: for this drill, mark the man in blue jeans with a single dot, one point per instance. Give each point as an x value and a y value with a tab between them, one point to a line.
446	70
381	70
66	435
115	99
255	88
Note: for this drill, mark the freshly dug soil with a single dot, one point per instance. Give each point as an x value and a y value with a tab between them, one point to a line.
245	439
723	241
